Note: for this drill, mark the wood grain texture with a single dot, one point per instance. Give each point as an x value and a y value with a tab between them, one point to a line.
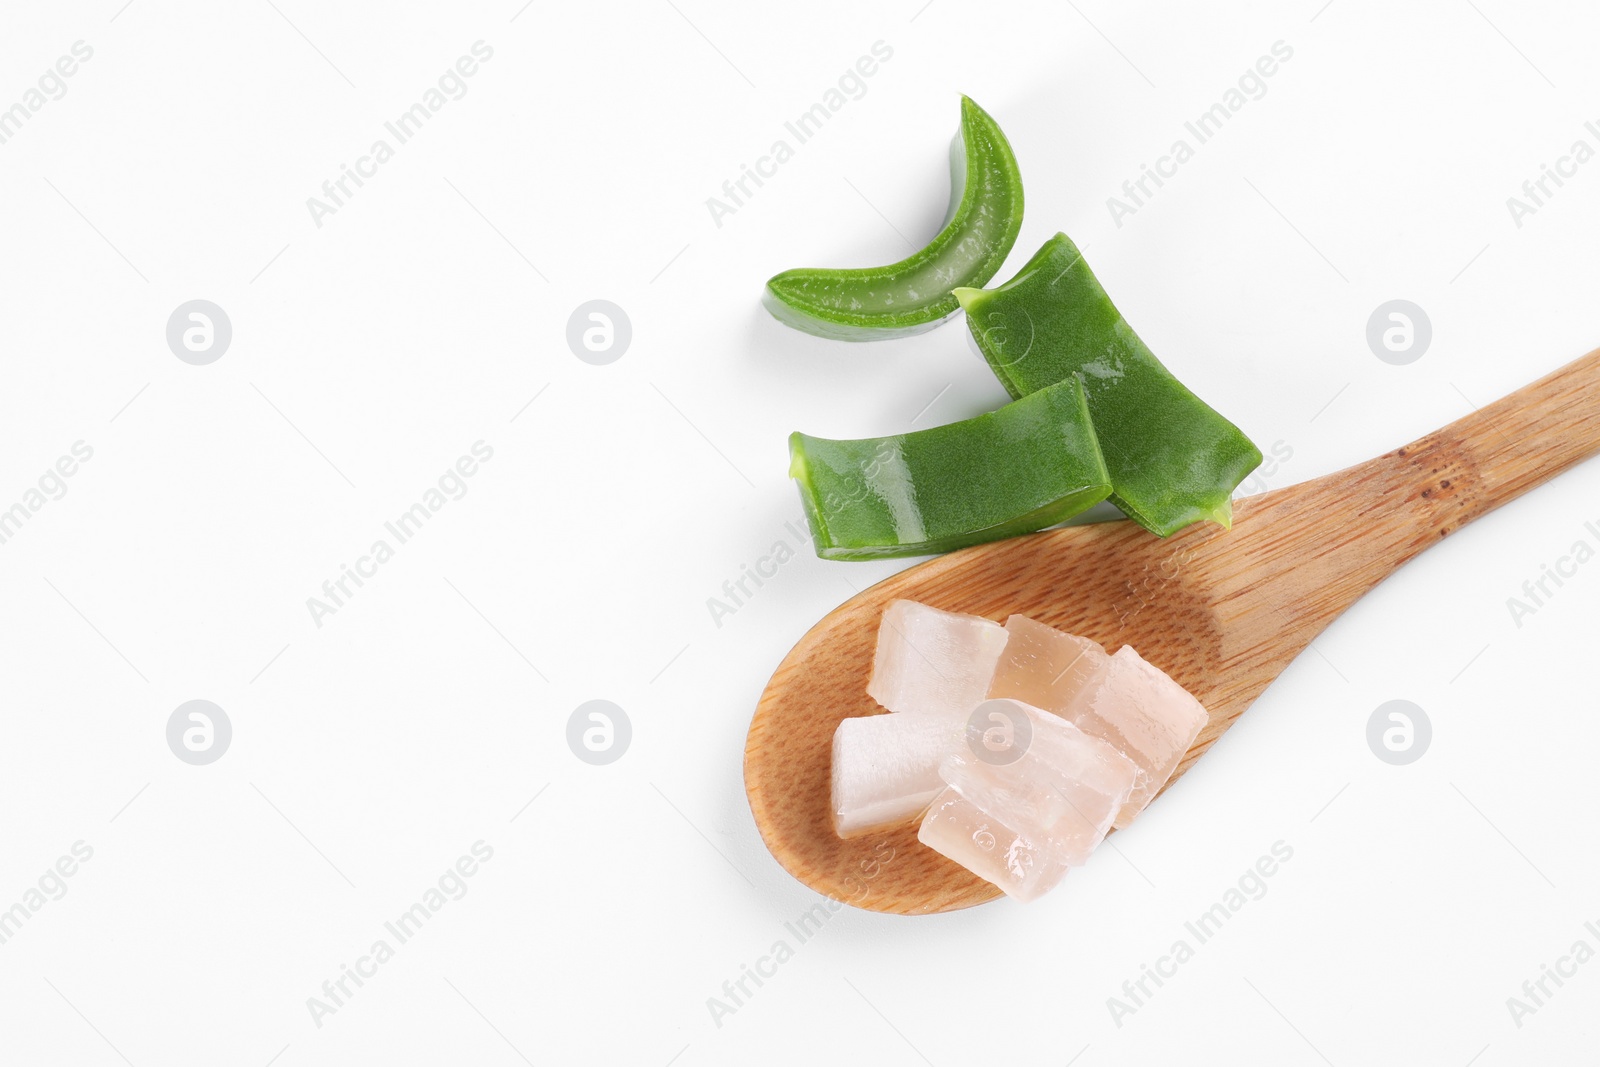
1222	612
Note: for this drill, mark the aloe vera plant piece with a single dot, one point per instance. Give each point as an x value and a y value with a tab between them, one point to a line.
1173	459
1028	465
914	295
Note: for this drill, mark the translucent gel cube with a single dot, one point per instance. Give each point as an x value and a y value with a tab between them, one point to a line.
886	768
1066	786
933	662
1146	716
957	829
1042	666
1044	810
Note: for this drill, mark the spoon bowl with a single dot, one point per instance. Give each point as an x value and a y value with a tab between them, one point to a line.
1221	611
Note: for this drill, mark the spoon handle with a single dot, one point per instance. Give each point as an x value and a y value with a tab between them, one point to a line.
1326	542
1523	440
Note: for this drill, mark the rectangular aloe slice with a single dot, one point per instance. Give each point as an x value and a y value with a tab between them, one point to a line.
1173	459
1028	465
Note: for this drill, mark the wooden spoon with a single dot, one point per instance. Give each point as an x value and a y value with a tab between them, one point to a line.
1223	612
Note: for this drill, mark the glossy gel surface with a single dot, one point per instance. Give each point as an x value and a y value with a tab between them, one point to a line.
1050	670
1023	824
933	663
886	768
1146	716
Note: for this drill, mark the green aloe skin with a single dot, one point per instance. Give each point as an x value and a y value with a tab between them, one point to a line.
1173	459
1028	465
913	295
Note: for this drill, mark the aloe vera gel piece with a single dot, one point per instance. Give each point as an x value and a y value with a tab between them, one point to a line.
1173	459
1028	465
914	295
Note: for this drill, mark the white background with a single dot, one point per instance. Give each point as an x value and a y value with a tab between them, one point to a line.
368	354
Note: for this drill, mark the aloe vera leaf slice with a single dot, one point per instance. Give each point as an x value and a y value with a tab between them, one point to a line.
1030	464
913	296
1173	459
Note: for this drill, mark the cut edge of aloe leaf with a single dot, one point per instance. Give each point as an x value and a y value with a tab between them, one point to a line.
984	182
1222	515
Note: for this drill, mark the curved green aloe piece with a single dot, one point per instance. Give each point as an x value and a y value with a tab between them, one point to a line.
914	295
1028	465
1173	460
